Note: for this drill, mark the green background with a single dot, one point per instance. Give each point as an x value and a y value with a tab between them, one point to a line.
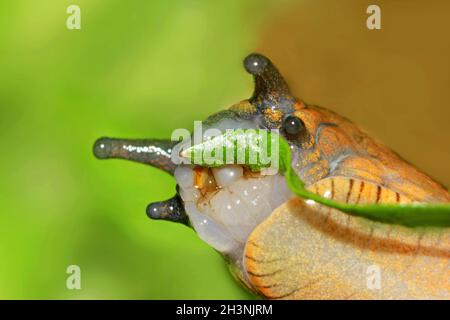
136	69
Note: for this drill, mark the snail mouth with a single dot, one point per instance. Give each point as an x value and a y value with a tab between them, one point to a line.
225	204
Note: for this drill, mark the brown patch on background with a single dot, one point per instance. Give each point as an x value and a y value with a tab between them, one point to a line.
392	82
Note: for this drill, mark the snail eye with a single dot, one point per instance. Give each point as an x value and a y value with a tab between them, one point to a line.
293	125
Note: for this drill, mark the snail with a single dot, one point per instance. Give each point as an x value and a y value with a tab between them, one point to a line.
281	246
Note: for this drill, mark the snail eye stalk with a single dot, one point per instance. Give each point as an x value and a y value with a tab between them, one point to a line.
293	125
271	96
268	80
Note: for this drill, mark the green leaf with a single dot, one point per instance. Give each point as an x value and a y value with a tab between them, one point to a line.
411	215
252	148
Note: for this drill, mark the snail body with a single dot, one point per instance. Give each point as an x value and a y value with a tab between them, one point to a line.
284	247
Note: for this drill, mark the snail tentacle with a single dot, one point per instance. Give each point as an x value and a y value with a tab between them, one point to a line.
269	83
152	152
271	91
268	80
170	210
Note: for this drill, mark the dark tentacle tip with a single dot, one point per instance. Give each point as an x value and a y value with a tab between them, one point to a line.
256	63
170	210
154	210
103	148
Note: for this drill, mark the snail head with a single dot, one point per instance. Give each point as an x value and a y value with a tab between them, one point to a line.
201	192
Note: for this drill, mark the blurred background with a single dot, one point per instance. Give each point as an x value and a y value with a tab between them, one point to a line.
139	69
